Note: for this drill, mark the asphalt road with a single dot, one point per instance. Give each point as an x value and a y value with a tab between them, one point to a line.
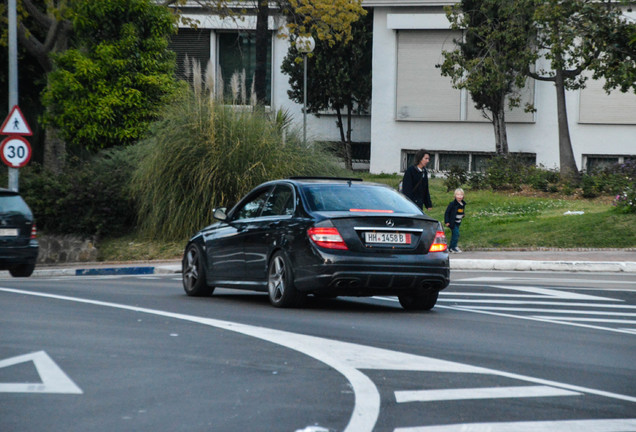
500	352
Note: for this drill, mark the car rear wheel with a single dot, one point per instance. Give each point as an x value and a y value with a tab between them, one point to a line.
280	283
193	272
22	270
422	300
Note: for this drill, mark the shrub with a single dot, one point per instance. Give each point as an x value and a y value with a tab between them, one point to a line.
615	178
455	178
90	197
477	180
625	202
542	179
507	172
589	186
203	154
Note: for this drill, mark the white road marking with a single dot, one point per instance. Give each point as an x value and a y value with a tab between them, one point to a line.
548	303
597	320
612	425
529	318
562	311
480	393
54	380
602	282
349	359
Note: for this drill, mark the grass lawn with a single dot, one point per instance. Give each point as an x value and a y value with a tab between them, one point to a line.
525	219
515	220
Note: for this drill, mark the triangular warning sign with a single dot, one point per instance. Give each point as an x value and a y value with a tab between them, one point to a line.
15	124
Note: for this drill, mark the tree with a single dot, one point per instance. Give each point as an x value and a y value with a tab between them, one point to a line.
340	79
105	92
490	59
571	36
617	65
328	20
44	29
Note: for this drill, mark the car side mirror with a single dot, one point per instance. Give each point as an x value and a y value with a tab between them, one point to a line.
220	214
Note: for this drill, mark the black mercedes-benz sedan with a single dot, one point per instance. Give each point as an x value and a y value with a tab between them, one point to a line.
323	237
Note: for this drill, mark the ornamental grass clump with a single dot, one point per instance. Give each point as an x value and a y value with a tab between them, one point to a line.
205	154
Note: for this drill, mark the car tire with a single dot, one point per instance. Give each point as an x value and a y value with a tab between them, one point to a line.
280	283
22	270
419	301
193	272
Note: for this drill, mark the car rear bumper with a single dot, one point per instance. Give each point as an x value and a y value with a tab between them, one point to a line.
14	255
372	275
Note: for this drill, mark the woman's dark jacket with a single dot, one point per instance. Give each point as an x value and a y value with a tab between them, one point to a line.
415	186
451	212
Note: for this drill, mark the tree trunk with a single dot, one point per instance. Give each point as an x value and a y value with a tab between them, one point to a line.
347	144
346	153
501	136
54	151
566	155
260	70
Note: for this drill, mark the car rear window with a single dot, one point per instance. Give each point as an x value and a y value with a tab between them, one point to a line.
357	198
13	204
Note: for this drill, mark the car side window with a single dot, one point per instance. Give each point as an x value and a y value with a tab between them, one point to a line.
280	203
252	208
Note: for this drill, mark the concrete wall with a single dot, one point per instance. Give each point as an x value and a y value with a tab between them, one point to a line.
389	136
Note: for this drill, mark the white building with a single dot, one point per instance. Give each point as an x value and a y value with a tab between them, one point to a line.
414	107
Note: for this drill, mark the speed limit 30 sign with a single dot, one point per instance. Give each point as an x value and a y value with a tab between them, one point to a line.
15	151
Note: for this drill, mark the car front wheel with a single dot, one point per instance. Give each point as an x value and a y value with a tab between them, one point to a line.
193	272
280	283
419	301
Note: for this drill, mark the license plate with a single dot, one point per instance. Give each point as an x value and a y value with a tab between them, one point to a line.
387	238
8	232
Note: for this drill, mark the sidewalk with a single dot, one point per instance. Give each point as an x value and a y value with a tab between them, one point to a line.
579	260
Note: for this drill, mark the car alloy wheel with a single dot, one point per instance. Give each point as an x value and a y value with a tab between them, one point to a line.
280	284
193	272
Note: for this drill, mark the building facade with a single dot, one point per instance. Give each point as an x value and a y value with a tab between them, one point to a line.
414	107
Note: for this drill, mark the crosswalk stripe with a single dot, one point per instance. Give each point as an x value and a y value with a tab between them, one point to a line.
595	320
612	425
480	393
561	311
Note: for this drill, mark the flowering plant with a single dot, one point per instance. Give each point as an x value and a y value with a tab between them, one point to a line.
625	202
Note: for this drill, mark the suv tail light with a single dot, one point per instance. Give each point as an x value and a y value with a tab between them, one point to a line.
439	244
327	237
34	231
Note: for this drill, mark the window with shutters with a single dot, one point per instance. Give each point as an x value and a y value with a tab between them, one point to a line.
193	44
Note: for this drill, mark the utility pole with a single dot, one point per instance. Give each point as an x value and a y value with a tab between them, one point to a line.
13	76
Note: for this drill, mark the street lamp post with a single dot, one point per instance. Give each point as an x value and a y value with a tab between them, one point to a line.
305	45
13	74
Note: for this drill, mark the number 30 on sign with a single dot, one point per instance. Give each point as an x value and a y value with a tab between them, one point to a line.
15	151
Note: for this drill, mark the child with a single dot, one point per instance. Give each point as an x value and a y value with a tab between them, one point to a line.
453	218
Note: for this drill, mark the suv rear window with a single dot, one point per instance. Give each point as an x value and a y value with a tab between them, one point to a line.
343	197
13	204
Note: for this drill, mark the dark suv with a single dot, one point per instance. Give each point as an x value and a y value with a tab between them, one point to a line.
18	246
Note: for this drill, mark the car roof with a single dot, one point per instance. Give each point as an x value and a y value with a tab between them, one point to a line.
351	181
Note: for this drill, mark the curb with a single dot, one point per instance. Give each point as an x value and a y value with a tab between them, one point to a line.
455	264
528	265
108	271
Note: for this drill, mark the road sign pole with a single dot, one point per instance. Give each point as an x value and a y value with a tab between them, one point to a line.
13	75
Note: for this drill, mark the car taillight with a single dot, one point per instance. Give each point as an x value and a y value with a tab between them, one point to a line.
327	237
439	244
34	231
